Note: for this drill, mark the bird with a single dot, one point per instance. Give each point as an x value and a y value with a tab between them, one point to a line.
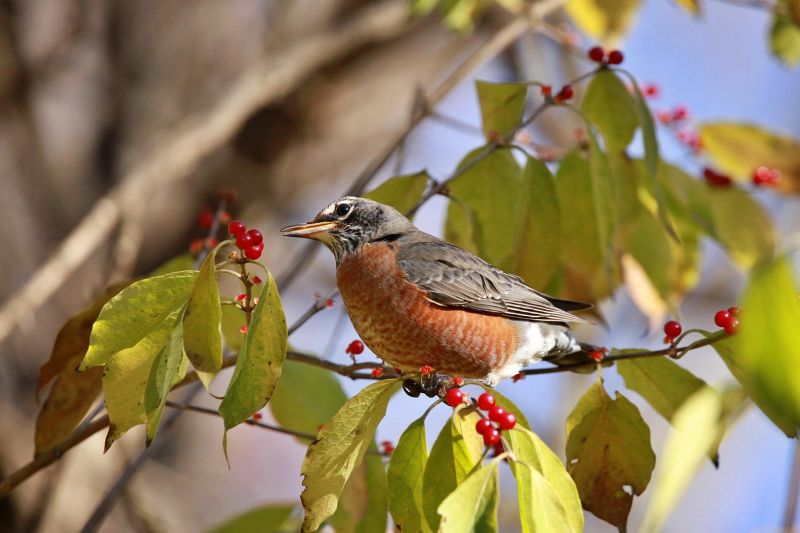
419	301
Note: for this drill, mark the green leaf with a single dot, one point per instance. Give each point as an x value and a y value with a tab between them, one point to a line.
258	366
176	264
201	322
664	384
136	312
456	452
339	447
502	105
489	190
548	497
584	248
609	106
768	340
606	20
539	236
232	320
72	393
401	192
363	503
405	475
163	373
292	405
263	519
739	149
608	448
125	378
463	508
697	428
784	35
741	226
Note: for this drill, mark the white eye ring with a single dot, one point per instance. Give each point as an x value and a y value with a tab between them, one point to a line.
343	210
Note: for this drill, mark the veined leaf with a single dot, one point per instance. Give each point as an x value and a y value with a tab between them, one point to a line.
72	393
295	409
769	340
401	192
163	374
201	322
664	384
502	105
258	366
555	506
405	475
698	426
609	106
608	448
606	20
339	447
738	149
363	504
539	235
263	519
463	508
453	456
489	189
125	378
741	226
136	312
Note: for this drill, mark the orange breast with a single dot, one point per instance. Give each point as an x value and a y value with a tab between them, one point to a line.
396	320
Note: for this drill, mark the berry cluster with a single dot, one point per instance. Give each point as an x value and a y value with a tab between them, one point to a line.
495	415
672	330
598	55
728	319
250	242
766	177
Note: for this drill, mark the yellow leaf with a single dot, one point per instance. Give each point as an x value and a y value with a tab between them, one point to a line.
605	20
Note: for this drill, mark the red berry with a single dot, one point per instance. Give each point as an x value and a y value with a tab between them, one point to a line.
497	449
651	90
716	179
680	112
668	339
722	317
196	246
458	381
596	54
377	372
672	329
766	177
454	397
546	90
329	303
225	217
388	447
597	355
243	329
257	280
236	228
241	297
564	94
355	347
491	437
508	421
257	416
211	242
485	401
253	252
256	236
732	326
244	241
734	311
615	57
206	219
496	413
483	425
425	370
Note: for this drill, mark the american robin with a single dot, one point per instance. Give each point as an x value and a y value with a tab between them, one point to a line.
417	300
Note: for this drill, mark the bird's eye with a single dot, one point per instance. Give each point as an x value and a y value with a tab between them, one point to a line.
342	210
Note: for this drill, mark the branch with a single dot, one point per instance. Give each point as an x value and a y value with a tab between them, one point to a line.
193	140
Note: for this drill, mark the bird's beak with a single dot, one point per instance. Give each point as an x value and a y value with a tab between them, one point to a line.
312	230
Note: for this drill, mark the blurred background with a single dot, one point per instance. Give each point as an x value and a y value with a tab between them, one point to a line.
119	122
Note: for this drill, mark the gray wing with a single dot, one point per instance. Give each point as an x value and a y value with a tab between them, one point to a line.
456	278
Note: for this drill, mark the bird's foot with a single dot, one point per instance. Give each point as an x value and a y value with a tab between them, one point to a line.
431	385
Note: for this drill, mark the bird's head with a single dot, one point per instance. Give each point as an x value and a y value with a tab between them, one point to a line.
348	223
